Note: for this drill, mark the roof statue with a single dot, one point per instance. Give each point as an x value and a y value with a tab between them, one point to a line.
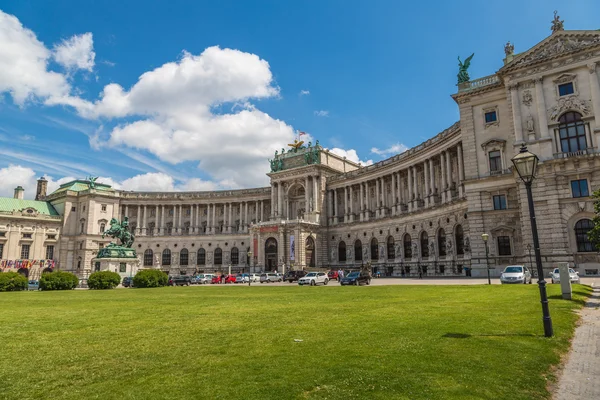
463	74
509	49
557	24
296	145
92	181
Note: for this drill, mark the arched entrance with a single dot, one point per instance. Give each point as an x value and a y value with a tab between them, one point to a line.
24	272
309	250
271	254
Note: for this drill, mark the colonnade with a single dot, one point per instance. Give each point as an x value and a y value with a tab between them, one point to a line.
280	198
435	181
193	219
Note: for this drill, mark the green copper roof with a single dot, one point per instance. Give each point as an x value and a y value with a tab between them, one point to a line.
81	185
9	204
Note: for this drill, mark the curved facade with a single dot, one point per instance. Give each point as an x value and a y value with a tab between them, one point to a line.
426	208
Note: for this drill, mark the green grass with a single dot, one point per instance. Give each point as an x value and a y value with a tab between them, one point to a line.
385	342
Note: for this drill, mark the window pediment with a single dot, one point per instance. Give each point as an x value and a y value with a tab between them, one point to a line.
502	230
565	78
494	143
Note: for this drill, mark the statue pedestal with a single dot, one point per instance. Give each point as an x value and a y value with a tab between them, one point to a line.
122	266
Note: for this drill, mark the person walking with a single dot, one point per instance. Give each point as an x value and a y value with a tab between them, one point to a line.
420	272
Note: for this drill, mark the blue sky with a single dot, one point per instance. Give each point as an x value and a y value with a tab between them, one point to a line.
356	75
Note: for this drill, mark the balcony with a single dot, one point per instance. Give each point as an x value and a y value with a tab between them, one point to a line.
569	154
478	83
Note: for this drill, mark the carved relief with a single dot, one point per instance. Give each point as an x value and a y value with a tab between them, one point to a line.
558	46
569	103
527	98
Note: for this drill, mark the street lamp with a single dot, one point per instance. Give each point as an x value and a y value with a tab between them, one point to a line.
526	164
249	269
485	238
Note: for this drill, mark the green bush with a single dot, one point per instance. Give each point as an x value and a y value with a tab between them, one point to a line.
104	280
148	278
58	280
12	282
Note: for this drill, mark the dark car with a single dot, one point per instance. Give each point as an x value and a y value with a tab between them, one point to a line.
180	280
293	276
127	281
356	278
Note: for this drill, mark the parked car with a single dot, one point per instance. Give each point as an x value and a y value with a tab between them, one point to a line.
270	277
293	276
180	280
127	281
573	275
33	285
333	275
216	279
254	277
356	278
219	279
241	278
314	278
206	278
515	274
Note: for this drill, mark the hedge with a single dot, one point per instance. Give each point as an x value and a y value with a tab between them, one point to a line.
104	280
58	280
12	282
149	278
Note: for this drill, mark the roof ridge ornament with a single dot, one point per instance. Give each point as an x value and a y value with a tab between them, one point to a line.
557	24
509	49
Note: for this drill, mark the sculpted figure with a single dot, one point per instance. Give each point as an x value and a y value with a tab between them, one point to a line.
463	74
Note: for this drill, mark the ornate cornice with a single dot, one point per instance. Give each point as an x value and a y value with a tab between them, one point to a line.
571	103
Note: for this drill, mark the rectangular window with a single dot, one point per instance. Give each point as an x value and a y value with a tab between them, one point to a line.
73	209
27	236
1	250
24	251
103	207
51	237
566	89
579	188
171	212
495	161
49	252
504	246
187	212
123	267
500	202
2	234
490	117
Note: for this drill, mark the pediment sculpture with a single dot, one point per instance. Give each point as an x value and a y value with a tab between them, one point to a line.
571	103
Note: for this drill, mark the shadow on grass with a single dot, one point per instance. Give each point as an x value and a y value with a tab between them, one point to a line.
580	295
467	335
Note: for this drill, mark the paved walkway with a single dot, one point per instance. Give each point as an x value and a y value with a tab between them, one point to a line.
580	377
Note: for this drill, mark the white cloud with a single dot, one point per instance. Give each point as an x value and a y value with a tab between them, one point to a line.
390	151
350	155
77	52
304	92
322	113
13	176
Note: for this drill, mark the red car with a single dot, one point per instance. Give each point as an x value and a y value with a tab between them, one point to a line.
332	275
219	279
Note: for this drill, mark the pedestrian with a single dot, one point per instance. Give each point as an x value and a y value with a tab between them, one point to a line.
341	275
223	278
420	272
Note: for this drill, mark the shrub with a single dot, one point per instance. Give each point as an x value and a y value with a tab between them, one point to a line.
58	280
12	282
104	280
148	278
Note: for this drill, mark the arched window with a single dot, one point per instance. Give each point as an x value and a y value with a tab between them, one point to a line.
459	239
184	257
374	249
441	239
391	250
201	257
571	130
102	227
218	256
235	256
358	253
424	245
342	251
148	254
582	227
407	246
166	257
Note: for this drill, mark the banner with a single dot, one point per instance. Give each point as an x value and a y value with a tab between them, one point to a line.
292	247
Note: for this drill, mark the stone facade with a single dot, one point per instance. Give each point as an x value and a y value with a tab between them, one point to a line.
425	209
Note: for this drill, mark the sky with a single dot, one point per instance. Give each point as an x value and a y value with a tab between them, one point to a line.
191	96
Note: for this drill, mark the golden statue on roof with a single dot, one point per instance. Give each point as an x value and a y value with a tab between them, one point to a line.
296	145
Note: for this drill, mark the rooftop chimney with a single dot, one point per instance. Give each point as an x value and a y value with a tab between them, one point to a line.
19	191
42	187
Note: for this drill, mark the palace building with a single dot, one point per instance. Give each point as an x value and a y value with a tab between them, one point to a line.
425	208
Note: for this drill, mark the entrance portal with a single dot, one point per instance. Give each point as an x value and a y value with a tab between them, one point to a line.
270	254
309	250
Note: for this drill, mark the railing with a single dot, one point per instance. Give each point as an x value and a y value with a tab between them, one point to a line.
478	83
568	154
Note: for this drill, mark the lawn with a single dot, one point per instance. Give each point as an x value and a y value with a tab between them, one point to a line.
384	342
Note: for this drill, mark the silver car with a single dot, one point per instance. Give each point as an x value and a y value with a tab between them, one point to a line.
515	274
555	275
270	277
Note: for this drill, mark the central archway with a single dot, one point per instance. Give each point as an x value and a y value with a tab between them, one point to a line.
309	250
271	254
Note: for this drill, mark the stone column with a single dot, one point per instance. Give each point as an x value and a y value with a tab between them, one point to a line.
273	192
229	218
279	200
144	220
399	191
351	204
245	216
448	175
377	201
367	211
330	206
595	89
541	108
214	218
443	177
162	221
431	179
192	225
197	224
426	191
138	222
516	109
410	189
262	211
156	225
361	202
316	193
345	203
208	230
461	170
179	222
335	206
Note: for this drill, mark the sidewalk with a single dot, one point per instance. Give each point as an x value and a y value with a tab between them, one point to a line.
580	378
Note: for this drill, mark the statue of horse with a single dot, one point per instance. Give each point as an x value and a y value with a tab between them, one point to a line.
120	231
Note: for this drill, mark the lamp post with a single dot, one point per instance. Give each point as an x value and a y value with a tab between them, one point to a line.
249	264
526	164
530	262
485	238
